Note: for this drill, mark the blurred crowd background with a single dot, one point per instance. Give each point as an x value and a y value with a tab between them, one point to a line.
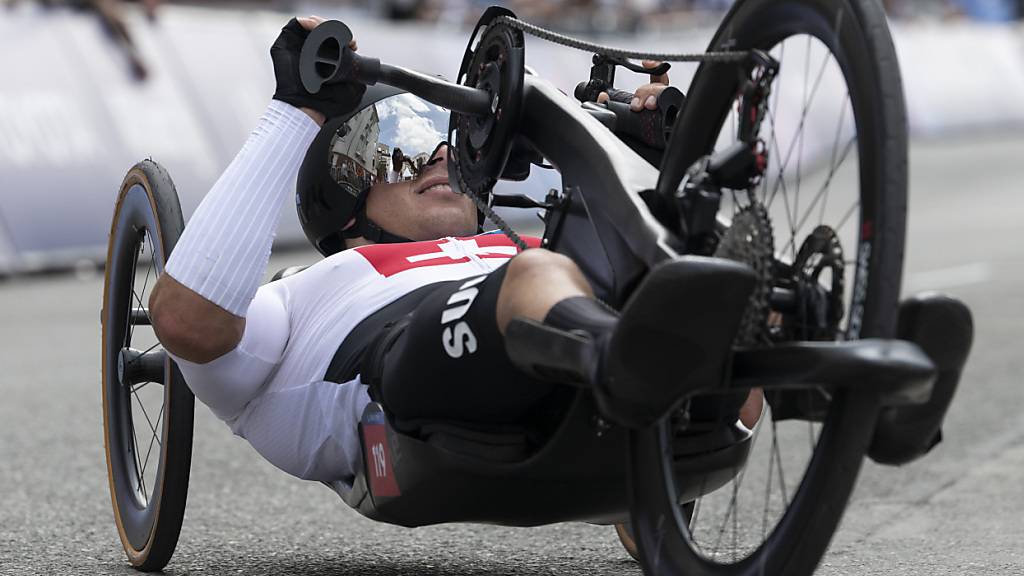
93	86
571	16
581	16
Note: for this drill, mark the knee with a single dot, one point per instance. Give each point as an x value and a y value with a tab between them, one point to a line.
539	262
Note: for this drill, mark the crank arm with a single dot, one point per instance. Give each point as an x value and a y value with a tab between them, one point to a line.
898	370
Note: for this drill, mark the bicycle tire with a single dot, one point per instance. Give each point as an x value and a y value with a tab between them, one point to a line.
147	213
855	33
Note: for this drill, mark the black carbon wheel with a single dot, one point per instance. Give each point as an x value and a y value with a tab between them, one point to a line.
147	407
837	165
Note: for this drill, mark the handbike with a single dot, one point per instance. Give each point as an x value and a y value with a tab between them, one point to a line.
714	179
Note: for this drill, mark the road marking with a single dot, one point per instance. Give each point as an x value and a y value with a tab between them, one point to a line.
965	275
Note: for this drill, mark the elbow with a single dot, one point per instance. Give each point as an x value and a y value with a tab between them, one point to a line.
190	326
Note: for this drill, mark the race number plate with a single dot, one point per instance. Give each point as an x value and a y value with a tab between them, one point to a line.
378	461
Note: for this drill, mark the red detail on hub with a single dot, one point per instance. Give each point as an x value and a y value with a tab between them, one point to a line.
379	467
390	259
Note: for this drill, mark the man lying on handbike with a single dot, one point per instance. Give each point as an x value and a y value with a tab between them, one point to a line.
403	251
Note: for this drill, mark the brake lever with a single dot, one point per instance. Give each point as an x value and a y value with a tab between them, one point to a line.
658	70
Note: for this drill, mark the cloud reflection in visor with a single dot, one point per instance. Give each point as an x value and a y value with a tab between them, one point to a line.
388	141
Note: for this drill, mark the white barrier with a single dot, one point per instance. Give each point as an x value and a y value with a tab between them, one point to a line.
72	121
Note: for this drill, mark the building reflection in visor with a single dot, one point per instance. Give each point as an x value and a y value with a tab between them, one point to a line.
389	141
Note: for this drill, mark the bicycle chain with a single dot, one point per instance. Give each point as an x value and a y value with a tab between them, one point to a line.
491	215
568	41
562	39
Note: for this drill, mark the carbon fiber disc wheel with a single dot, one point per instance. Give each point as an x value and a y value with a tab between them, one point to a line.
147	408
836	142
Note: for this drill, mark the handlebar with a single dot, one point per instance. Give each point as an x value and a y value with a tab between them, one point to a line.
327	59
650	127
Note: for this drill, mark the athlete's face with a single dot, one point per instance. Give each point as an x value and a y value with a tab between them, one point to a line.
423	208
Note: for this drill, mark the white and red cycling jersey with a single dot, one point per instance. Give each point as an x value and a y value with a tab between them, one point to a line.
270	390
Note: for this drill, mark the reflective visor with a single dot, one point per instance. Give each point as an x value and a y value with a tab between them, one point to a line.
388	141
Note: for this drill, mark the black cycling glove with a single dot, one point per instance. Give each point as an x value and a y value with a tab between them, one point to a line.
333	99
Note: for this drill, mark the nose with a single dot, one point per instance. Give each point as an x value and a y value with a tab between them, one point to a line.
441	153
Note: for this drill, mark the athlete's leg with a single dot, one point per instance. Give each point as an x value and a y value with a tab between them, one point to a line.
547	287
536	280
447	362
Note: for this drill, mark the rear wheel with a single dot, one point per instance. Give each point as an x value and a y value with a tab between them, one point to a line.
147	407
835	194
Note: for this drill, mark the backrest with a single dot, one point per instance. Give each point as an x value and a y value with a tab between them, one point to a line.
285	272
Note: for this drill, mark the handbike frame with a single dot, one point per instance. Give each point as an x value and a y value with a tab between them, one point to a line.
602	221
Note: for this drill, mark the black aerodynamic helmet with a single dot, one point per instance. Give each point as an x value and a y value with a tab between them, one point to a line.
389	137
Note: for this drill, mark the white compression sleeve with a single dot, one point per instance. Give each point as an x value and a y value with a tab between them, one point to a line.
224	250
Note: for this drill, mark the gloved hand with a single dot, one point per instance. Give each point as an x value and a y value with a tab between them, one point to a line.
333	99
646	96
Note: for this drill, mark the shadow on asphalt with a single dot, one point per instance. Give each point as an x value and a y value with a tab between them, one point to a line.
371	565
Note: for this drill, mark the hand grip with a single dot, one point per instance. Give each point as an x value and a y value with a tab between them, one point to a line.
326	58
651	127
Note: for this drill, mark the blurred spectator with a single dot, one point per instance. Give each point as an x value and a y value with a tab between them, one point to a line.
989	10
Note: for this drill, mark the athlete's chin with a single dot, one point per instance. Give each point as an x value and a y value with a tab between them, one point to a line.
439	225
453	216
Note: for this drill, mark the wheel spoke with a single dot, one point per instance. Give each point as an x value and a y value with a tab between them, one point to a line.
778	457
739	475
767	493
846	216
803	117
835	148
824	188
128	321
135	451
789	219
149	450
144	413
728	516
145	283
800	136
777	88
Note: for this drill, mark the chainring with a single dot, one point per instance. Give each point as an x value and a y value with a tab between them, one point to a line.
482	143
750	240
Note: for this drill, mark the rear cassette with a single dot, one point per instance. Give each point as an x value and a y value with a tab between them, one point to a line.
749	240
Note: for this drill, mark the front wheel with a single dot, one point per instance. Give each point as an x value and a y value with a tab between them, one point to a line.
147	408
834	198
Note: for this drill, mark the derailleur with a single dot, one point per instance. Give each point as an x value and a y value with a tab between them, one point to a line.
740	166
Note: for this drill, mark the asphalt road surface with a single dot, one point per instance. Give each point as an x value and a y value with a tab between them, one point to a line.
957	511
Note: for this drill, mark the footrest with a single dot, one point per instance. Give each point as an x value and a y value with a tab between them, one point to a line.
899	372
674	337
943	328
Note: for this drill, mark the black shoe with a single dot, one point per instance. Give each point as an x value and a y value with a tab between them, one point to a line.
674	338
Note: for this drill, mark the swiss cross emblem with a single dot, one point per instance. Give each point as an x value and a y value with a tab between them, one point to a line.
390	259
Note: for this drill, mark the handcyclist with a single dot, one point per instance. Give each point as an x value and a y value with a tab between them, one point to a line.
409	255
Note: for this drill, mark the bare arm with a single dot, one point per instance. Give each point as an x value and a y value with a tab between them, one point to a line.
189	325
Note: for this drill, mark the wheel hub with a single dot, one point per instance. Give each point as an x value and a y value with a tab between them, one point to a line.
819	302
